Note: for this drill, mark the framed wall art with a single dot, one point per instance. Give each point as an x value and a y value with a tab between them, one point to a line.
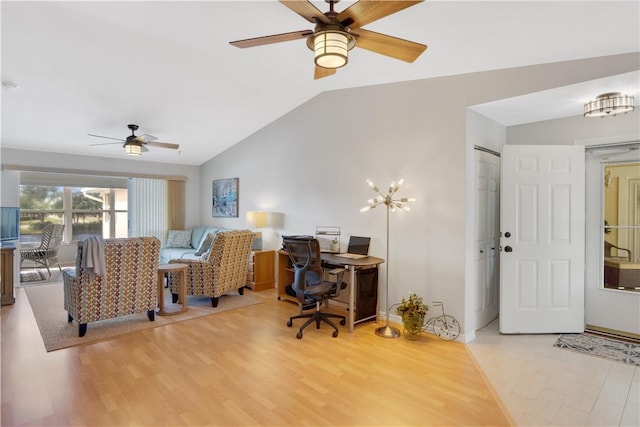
225	198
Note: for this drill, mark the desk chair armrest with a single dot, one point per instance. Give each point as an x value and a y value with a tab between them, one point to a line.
340	285
336	271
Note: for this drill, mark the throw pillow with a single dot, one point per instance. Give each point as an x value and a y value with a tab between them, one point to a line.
206	244
179	239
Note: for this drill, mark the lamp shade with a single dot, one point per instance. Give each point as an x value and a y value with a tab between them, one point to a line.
257	219
132	149
331	47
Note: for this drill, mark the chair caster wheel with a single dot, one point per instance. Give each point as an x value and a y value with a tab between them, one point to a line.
299	335
289	323
343	322
334	334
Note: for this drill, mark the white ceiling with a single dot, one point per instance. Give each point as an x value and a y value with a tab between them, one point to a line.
94	67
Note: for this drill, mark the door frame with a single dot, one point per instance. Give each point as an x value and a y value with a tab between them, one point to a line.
490	252
595	295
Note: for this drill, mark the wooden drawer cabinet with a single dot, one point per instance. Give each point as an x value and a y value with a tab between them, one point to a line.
261	270
6	273
285	276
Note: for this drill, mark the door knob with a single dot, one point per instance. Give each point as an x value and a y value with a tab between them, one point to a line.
508	249
507	234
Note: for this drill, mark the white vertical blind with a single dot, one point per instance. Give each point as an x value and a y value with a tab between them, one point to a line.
148	208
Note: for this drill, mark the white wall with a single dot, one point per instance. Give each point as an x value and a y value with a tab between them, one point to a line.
570	129
311	165
10	178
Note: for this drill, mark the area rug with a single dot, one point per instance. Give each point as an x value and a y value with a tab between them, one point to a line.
33	276
619	351
38	276
47	303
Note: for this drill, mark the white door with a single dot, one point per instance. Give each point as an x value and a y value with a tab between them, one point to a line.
542	227
487	239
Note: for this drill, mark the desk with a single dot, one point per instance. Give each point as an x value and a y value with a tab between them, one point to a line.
352	265
285	278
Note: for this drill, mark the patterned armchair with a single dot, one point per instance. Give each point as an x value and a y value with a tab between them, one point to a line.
224	271
129	285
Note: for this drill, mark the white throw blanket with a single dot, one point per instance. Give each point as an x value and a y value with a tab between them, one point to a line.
93	255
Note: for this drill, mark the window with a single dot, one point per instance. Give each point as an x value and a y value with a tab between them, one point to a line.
91	211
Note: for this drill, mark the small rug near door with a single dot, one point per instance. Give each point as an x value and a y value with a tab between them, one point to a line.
47	303
619	351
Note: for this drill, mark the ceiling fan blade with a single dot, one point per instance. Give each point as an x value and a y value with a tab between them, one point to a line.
143	149
383	44
275	38
105	143
145	137
367	11
306	9
163	145
106	137
321	72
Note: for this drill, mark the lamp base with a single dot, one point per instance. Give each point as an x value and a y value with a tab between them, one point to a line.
388	332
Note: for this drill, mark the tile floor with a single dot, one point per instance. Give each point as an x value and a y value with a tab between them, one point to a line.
543	385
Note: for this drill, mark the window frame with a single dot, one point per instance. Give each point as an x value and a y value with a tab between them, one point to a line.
67	211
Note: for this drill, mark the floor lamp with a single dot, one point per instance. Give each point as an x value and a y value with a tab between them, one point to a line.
392	204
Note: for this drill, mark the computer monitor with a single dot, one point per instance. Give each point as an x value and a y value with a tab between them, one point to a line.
359	245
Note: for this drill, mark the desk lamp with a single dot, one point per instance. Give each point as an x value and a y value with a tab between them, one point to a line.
388	331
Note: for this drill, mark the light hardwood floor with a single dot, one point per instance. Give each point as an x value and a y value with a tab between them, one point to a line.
241	367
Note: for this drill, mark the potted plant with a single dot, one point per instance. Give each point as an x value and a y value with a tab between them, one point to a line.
413	311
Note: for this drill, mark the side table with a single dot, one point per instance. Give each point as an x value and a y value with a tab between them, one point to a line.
261	270
181	269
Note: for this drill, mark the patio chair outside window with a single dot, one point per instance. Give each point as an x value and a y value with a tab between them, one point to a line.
47	252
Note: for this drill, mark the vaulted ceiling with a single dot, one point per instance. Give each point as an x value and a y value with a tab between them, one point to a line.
94	67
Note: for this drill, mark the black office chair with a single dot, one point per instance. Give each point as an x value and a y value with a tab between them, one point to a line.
309	283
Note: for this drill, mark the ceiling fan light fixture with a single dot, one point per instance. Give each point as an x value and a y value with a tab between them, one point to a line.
609	104
331	48
132	148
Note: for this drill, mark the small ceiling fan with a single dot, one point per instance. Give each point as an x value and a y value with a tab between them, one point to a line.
135	145
337	33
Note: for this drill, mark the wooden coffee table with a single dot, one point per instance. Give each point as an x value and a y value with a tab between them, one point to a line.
181	269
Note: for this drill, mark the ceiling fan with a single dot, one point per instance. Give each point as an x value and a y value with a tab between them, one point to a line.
134	144
336	33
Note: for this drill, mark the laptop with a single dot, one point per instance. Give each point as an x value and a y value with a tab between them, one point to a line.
358	248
